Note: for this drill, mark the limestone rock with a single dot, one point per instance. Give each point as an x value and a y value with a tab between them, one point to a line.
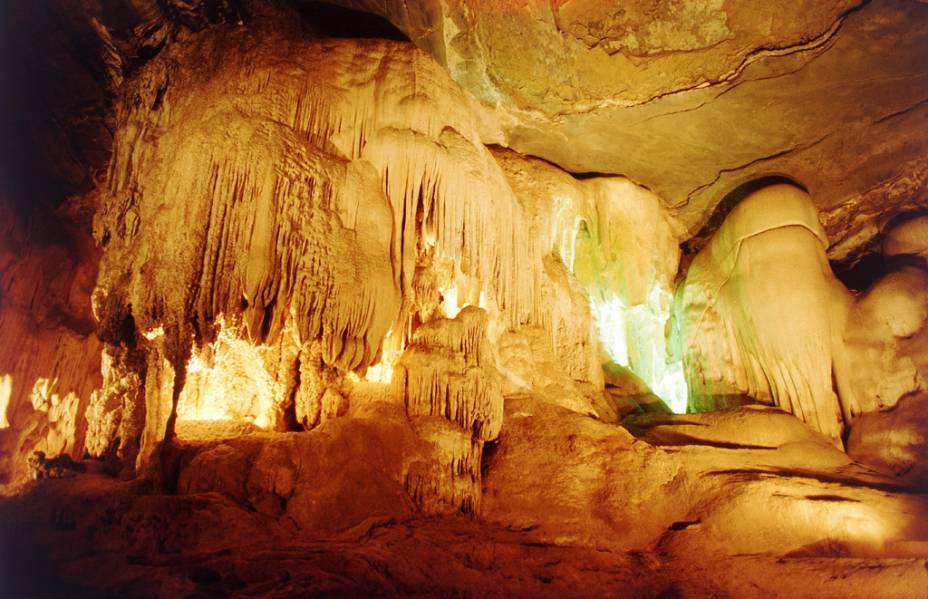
894	439
887	339
327	480
449	372
721	93
356	209
907	238
116	414
620	249
350	341
572	489
749	427
694	486
527	366
50	360
760	312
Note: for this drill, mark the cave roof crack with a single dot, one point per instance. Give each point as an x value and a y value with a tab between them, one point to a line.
820	42
795	148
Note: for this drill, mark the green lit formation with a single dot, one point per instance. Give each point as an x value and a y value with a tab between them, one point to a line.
632	334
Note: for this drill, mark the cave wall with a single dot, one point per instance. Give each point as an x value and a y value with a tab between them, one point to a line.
50	360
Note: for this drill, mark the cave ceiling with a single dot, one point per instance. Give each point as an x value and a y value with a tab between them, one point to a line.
693	98
690	98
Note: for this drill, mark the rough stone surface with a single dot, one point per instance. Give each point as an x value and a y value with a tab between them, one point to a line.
50	358
894	439
682	522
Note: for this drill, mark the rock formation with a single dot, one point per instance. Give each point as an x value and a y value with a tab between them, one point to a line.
694	99
761	314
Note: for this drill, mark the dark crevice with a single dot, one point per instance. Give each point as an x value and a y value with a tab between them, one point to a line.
674	439
487	457
860	274
835	498
863	273
732	199
901	112
751	474
684	524
340	22
127	329
290	421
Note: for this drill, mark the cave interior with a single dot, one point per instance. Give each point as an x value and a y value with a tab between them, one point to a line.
467	299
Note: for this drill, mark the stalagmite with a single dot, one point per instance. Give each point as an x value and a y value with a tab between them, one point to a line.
116	414
761	314
448	375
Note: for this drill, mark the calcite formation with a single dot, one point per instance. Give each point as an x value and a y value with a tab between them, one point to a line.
908	238
448	373
669	93
760	313
327	218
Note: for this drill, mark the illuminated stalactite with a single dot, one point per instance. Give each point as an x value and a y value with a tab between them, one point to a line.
391	349
329	219
6	390
229	379
621	248
637	337
609	315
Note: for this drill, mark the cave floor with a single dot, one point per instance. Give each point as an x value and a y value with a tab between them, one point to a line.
717	506
63	538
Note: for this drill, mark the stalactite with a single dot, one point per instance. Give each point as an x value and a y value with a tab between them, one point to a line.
309	193
620	251
332	200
